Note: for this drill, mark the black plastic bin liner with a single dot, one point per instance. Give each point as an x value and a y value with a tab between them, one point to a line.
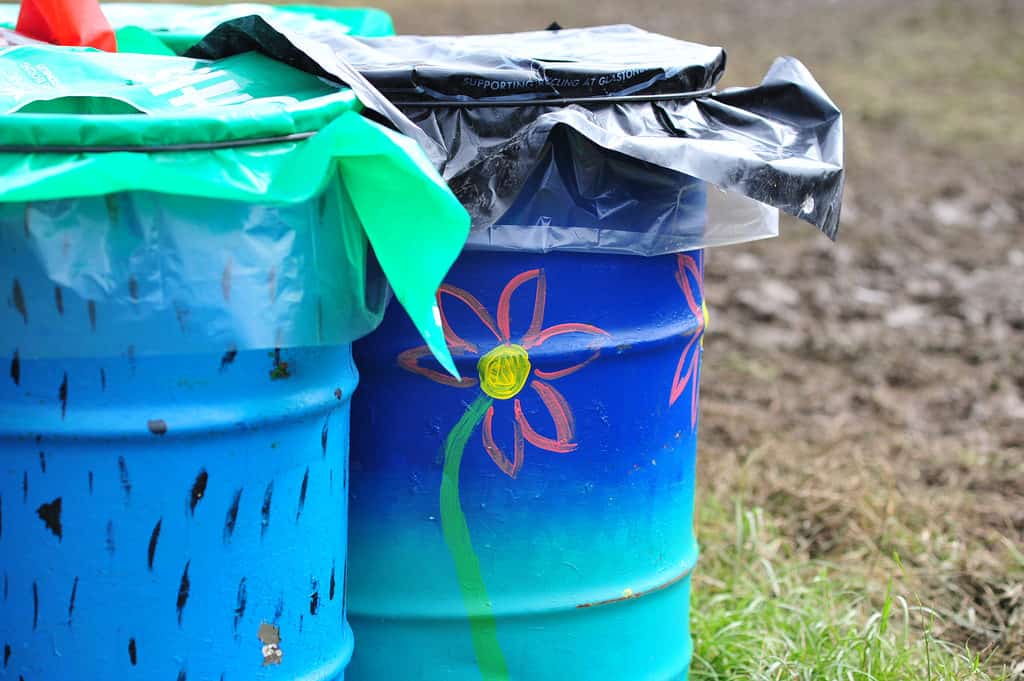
602	112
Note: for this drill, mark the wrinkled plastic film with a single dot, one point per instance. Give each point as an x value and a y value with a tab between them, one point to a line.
603	161
208	248
779	143
317	57
733	219
583	197
180	275
600	61
602	173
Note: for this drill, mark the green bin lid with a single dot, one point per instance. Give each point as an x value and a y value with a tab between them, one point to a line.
180	26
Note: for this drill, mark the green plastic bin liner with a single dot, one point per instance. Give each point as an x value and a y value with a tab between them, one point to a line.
241	198
179	26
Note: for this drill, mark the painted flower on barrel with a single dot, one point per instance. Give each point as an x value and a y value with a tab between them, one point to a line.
690	276
506	372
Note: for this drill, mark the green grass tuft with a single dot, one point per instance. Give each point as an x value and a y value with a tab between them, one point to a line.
762	613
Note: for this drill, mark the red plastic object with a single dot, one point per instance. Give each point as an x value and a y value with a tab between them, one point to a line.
66	22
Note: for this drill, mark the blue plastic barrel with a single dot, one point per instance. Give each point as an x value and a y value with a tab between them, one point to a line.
535	519
171	507
175	517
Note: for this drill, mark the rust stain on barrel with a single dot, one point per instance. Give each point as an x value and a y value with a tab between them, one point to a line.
639	594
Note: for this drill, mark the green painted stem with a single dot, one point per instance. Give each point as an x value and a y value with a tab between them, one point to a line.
467	566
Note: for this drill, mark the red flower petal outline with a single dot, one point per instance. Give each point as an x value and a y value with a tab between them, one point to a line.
410	361
456	342
690	358
684	263
539	303
679	381
562	329
509	468
696	267
562	373
561	415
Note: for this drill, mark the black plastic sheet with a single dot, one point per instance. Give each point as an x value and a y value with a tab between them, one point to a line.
598	139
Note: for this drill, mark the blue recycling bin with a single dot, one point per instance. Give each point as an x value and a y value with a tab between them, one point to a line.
168	514
174	517
533	520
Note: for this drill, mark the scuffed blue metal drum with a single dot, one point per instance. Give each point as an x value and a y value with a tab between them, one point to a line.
533	520
175	517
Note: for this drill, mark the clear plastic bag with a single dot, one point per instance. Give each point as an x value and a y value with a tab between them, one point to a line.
141	273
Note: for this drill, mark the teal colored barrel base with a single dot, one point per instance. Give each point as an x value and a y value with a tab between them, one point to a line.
532	521
176	517
554	641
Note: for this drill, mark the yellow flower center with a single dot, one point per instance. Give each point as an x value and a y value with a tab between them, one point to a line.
503	371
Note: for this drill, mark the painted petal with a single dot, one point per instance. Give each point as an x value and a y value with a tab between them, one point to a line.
509	468
684	263
561	415
539	301
455	341
410	361
553	375
679	381
561	329
696	268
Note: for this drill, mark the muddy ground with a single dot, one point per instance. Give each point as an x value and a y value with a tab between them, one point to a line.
869	394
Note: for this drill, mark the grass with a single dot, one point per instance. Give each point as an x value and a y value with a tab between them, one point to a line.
763	613
849	470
